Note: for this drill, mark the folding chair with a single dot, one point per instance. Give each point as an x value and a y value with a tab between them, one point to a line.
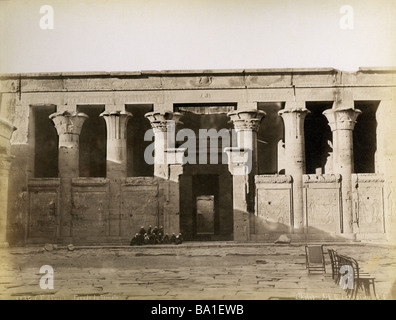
314	258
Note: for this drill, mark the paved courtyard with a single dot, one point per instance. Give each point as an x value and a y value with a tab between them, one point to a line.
216	270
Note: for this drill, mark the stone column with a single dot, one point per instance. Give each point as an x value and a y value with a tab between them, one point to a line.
342	122
238	166
243	165
6	130
172	198
68	125
246	124
293	117
385	161
116	165
116	124
164	127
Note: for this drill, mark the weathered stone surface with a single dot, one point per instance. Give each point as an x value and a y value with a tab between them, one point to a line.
96	274
322	208
6	130
273	210
109	209
48	247
283	239
368	198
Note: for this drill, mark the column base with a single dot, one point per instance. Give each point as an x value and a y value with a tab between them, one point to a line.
241	225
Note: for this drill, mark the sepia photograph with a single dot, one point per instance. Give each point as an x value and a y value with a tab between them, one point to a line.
212	151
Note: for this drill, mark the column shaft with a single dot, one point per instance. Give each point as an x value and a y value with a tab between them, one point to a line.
116	124
238	167
68	126
293	117
168	164
342	123
243	165
116	166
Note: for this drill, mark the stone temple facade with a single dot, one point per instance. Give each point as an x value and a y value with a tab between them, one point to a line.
72	167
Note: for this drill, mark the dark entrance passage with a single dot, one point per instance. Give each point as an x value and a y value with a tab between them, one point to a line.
318	139
206	213
206	203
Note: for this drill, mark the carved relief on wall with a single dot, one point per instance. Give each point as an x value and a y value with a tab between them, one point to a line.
369	202
369	213
321	178
43	206
367	178
203	81
271	178
322	210
273	210
139	208
89	214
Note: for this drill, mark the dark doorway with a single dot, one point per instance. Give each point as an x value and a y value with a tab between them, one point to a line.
93	142
205	214
137	127
45	142
205	223
206	203
270	134
365	137
318	138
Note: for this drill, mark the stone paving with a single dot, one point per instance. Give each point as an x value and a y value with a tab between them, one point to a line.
218	271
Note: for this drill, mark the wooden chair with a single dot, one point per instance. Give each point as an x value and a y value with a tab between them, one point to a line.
334	265
314	258
360	280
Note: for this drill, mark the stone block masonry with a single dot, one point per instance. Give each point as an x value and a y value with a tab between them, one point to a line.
72	167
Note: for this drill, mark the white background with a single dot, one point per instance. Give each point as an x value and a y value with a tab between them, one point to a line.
121	35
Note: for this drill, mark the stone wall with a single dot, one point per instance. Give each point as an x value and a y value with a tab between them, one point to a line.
90	223
111	209
369	204
322	198
273	205
322	206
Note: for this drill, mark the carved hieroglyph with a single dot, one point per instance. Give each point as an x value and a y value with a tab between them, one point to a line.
369	213
273	210
322	210
368	202
43	214
90	214
139	208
